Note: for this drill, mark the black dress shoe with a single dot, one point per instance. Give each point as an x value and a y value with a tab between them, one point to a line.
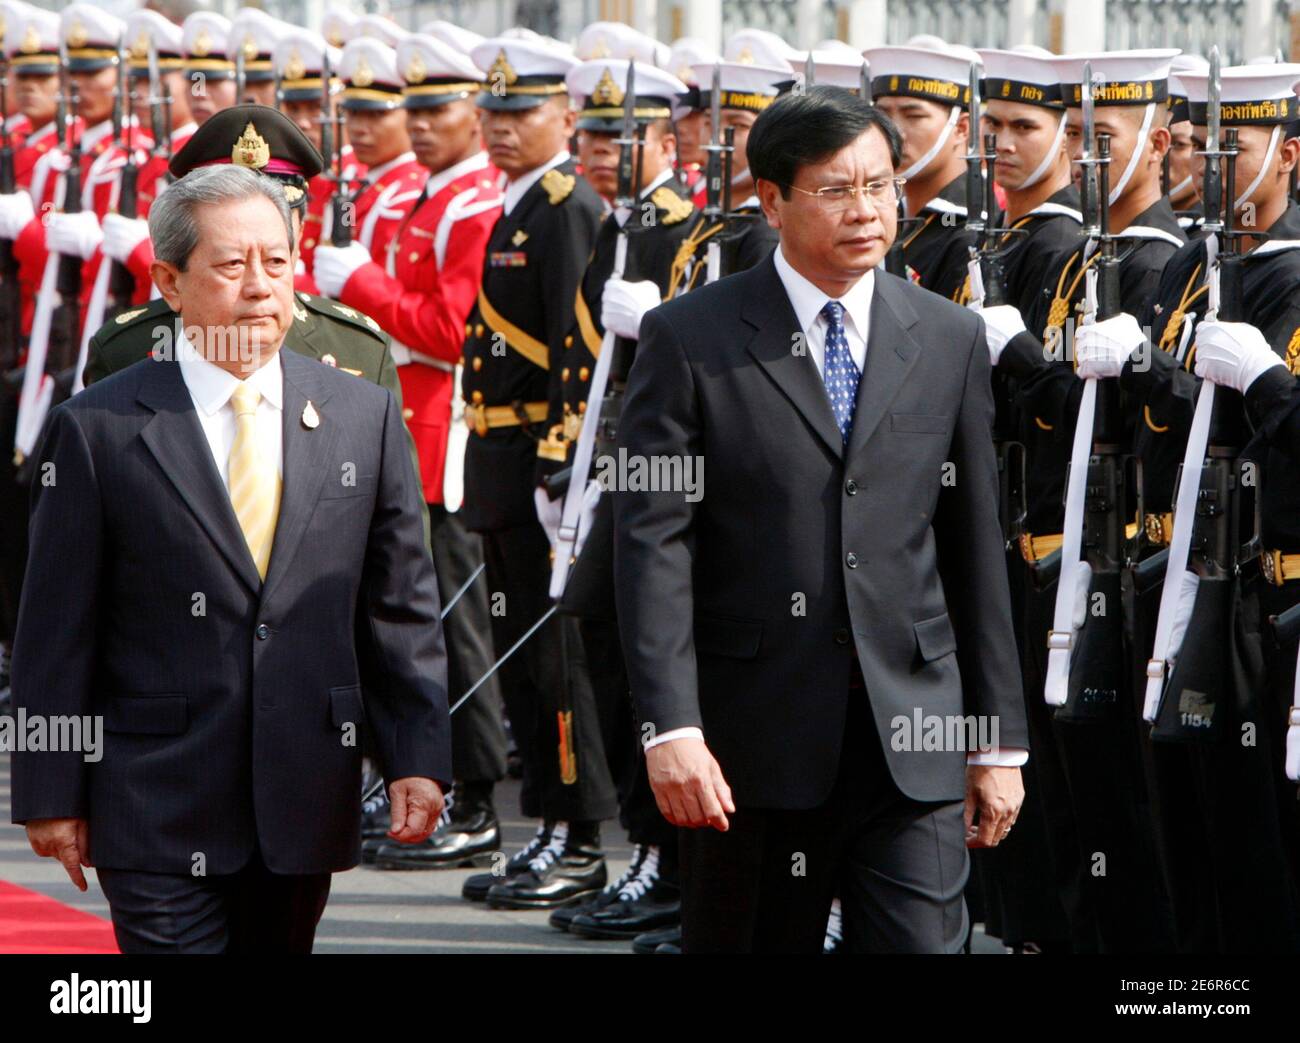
476	887
669	949
563	916
648	944
465	840
561	872
630	915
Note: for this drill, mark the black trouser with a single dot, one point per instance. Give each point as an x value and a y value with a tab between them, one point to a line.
14	500
478	738
252	911
546	677
638	814
766	885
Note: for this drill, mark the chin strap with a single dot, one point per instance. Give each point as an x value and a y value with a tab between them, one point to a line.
1143	133
1250	189
939	143
1048	159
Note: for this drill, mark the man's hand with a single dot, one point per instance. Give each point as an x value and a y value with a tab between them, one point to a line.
994	796
688	784
1232	354
67	839
416	804
1001	323
1102	348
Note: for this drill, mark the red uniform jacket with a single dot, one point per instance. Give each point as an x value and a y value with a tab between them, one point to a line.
421	292
388	195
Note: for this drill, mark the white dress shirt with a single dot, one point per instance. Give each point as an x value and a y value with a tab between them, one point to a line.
807	301
210	388
513	191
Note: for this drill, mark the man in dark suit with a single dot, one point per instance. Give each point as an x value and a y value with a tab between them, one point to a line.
226	552
839	588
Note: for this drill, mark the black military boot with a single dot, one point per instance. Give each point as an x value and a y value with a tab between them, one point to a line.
563	916
569	866
643	903
662	942
467	834
476	887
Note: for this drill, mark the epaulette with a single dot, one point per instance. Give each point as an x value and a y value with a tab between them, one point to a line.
332	309
675	208
131	318
557	185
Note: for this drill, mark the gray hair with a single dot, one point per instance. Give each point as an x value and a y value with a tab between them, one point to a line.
172	226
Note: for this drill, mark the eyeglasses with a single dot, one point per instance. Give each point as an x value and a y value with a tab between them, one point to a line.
836	198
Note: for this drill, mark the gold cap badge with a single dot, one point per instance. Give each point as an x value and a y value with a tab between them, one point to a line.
606	91
140	49
251	150
746	56
601	48
416	70
202	44
363	75
502	69
250	46
295	68
31	41
77	35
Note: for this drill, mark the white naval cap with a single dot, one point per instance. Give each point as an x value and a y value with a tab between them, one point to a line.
835	64
204	45
381	28
91	36
760	47
1118	77
254	33
299	59
1182	63
618	40
686	53
31	39
145	28
452	35
1249	95
602	85
935	74
1027	79
368	68
339	26
435	72
521	73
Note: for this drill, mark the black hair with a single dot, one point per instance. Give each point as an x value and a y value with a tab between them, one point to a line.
809	127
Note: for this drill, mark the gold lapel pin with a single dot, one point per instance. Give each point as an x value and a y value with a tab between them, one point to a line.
310	418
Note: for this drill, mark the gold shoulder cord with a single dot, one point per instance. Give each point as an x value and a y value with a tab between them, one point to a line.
685	252
1173	328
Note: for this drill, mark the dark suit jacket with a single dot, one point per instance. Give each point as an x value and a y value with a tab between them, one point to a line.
226	700
741	613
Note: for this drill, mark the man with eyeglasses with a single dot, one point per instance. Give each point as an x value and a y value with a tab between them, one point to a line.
786	630
925	91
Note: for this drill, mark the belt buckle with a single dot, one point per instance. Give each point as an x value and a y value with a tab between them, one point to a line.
1155	526
1270	564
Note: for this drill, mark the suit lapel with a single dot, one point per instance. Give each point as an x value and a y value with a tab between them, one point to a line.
768	309
175	438
306	460
891	354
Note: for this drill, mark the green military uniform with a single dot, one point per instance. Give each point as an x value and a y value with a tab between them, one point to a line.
322	329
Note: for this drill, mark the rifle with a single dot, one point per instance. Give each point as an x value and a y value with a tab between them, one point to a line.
11	305
713	174
241	79
65	327
332	147
121	284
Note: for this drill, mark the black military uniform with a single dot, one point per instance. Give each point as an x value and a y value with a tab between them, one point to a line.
936	245
513	350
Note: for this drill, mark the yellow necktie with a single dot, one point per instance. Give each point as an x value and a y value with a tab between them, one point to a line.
254	482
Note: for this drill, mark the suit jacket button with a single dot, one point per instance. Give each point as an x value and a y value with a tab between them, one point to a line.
851	487
841	636
263	631
851	560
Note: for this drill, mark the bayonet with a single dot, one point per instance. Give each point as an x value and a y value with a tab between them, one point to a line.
864	83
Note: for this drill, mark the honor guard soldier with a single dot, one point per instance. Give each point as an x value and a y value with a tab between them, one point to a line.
300	62
1090	772
653	217
690	118
32	52
749	80
1183	162
513	350
209	63
421	295
1023	109
1216	795
376	127
253	36
925	92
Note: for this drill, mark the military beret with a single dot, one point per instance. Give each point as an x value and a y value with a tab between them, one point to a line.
257	137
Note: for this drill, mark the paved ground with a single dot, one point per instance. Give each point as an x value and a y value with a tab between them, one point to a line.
373	911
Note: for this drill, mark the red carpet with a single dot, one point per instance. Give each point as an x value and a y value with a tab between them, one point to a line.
32	923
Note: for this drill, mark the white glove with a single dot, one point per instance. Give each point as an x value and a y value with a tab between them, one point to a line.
15	212
1102	348
74	235
624	303
1001	323
333	266
590	496
1232	354
1182	611
122	235
549	513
